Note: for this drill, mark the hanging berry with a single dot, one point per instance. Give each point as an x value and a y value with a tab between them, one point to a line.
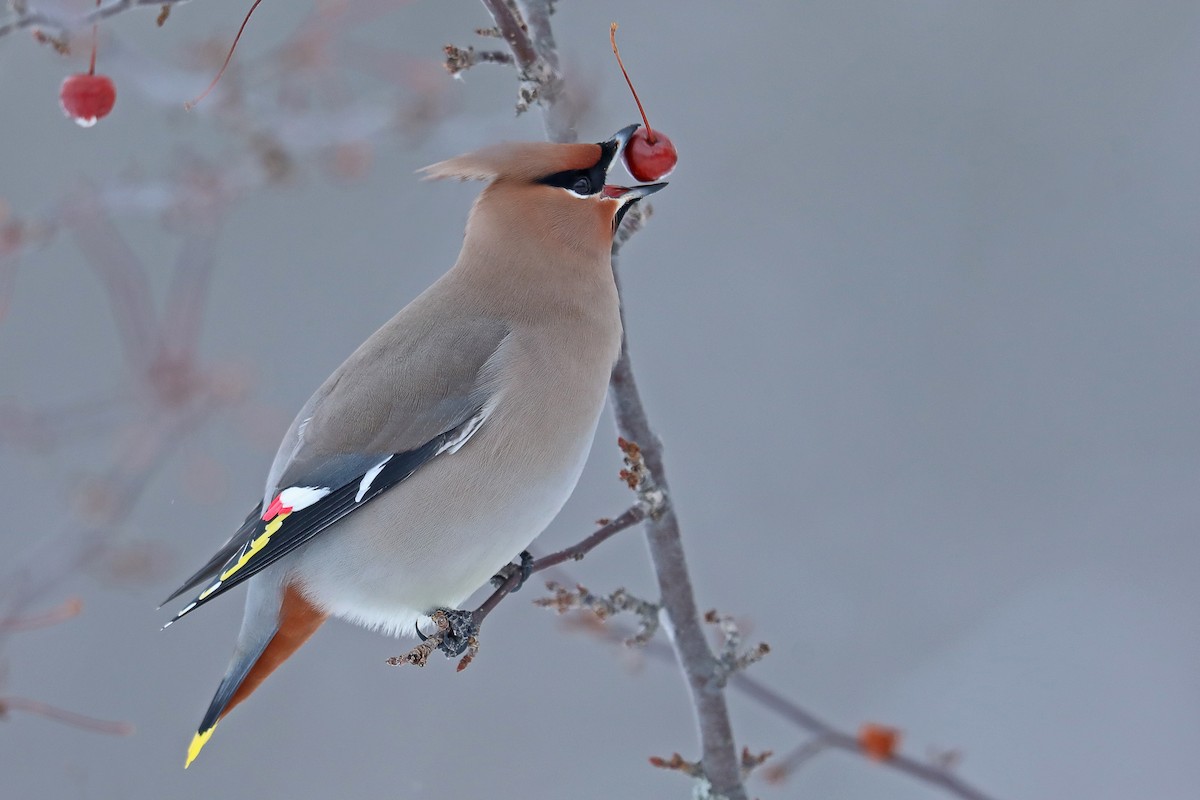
649	155
87	97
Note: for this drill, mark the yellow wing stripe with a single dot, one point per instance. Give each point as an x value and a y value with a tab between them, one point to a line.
257	544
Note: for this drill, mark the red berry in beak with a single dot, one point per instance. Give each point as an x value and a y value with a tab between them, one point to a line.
649	155
87	98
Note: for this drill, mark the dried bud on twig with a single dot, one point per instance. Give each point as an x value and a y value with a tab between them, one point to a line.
730	659
637	477
459	60
751	761
564	600
679	764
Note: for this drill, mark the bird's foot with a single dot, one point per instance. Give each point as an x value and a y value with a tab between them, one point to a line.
524	569
457	635
458	631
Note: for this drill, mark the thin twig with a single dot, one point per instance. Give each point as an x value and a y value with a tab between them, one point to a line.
419	655
831	737
27	15
62	715
603	607
61	613
732	658
460	59
825	736
631	516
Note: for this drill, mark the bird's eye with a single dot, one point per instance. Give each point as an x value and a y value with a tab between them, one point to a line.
582	186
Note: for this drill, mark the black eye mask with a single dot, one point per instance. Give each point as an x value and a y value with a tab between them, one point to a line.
585	181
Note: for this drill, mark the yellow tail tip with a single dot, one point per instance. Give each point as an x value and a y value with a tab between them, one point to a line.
198	742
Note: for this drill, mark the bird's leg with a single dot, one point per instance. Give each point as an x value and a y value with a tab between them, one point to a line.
457	634
524	569
457	629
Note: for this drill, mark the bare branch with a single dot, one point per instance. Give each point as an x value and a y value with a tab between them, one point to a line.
62	715
459	60
665	539
512	30
937	771
26	15
537	16
828	737
564	600
541	81
61	613
121	271
780	770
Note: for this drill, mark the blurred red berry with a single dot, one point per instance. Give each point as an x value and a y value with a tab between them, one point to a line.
87	98
879	742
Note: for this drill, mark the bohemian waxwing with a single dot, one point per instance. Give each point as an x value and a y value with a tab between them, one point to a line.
452	437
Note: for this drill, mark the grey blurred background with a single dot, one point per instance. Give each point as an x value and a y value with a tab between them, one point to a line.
916	321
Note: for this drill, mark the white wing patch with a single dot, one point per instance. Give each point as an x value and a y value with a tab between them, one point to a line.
298	497
365	485
465	432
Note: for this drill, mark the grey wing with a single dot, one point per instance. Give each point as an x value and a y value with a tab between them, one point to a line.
409	394
404	386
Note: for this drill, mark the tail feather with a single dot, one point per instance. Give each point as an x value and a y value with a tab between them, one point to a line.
298	620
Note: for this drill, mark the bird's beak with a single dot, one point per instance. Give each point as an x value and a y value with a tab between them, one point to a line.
630	194
613	147
625	195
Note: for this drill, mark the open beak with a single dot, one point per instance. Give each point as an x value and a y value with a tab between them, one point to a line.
613	147
630	194
625	195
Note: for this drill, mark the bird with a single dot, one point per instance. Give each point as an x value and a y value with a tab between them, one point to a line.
452	436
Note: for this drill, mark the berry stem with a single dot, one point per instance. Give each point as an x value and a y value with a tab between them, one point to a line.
95	26
228	57
612	39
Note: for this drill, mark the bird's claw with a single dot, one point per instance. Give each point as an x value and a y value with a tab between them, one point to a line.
524	569
459	632
457	635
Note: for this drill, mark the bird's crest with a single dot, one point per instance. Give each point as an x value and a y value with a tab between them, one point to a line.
519	161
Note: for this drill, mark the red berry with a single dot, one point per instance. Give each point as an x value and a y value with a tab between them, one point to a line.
86	98
649	155
649	159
